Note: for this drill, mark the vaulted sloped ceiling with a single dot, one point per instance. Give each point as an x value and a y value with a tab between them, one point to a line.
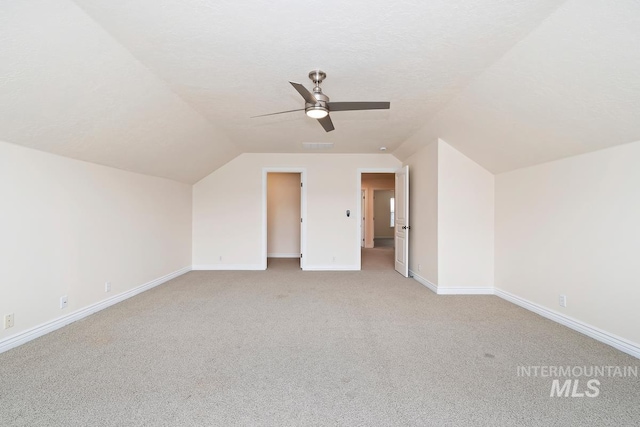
67	87
570	87
167	87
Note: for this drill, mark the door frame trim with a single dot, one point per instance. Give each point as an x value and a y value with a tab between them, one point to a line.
359	207
303	211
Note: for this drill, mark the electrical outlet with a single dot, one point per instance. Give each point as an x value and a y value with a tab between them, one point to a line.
107	286
220	258
64	301
562	300
334	259
419	267
8	321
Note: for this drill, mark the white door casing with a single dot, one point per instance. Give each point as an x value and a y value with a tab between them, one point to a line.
402	221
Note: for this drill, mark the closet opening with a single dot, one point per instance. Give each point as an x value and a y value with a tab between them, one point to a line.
284	220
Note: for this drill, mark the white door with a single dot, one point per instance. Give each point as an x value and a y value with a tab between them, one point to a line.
362	223
402	221
302	201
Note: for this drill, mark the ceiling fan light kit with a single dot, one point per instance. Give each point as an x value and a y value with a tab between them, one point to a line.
316	112
317	104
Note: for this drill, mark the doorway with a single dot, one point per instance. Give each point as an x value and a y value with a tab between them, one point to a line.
283	215
370	180
377	229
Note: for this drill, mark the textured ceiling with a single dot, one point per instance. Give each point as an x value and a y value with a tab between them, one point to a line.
569	87
166	87
69	88
231	60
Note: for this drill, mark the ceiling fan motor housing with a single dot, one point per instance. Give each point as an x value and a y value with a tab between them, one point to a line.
321	98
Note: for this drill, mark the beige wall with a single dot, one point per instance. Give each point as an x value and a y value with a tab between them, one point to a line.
382	214
371	182
451	242
283	215
227	210
68	227
571	227
465	221
423	212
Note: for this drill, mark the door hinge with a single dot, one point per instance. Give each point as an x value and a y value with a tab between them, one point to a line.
300	219
300	184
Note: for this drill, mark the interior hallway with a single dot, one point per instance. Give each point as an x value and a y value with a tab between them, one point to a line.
378	258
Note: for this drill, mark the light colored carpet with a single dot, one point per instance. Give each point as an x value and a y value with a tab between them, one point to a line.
381	258
285	347
380	242
283	263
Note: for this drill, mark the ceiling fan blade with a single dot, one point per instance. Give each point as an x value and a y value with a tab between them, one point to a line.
326	123
280	112
308	96
351	106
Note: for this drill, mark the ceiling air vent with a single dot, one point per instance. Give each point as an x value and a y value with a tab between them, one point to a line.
317	145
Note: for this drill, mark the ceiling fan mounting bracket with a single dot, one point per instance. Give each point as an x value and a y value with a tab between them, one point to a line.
317	76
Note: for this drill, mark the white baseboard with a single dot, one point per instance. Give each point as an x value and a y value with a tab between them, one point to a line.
598	334
331	268
40	330
465	291
229	267
441	290
431	286
279	255
614	341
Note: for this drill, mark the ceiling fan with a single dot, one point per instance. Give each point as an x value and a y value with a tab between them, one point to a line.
318	106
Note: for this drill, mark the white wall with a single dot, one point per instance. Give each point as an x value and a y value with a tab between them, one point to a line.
227	210
572	227
283	215
465	221
423	212
68	226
